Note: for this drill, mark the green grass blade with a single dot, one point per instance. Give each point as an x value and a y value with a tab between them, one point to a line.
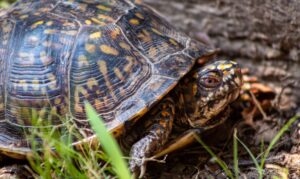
220	162
276	138
260	171
235	154
108	143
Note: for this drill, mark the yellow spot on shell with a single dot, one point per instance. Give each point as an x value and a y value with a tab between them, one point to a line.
97	104
49	23
173	42
129	65
88	22
24	16
57	101
50	31
109	50
105	18
95	35
37	24
71	32
92	82
23	84
78	108
53	85
134	21
224	66
82	7
119	74
98	21
139	15
83	91
104	8
114	34
51	77
83	61
152	52
125	46
145	36
91	48
156	31
35	83
102	67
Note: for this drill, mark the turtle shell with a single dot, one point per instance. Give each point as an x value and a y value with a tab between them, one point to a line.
56	54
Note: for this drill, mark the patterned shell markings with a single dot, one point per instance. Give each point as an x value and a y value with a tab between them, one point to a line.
119	57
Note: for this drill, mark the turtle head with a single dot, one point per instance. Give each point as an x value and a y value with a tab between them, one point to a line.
214	87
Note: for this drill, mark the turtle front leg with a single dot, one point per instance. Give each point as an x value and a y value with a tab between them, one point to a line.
159	128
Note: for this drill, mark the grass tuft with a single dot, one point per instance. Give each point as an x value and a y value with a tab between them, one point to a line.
54	156
108	143
259	165
221	163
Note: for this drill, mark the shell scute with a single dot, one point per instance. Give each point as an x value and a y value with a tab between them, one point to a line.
55	55
6	33
92	12
109	75
154	37
37	69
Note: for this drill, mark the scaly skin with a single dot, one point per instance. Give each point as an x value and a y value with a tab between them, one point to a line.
193	105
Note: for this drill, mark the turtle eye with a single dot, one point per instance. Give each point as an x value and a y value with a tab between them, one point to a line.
210	80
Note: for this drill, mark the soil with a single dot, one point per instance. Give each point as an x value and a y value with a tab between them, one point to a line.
263	36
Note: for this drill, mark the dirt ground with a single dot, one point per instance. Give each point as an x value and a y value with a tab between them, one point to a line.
263	36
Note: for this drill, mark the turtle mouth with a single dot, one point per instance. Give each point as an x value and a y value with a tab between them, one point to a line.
223	115
217	113
218	119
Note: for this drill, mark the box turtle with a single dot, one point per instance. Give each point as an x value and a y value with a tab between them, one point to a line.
141	75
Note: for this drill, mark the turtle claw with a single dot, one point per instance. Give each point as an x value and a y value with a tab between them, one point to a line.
138	167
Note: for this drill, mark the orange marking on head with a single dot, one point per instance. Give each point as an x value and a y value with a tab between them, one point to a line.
224	66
